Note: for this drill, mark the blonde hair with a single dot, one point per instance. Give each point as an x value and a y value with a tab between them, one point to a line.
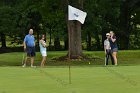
112	32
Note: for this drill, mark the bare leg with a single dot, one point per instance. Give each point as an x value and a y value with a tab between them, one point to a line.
43	61
115	57
25	61
32	61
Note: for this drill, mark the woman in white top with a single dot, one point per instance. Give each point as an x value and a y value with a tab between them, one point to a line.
43	50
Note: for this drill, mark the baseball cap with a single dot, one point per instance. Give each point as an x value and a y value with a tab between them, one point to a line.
107	34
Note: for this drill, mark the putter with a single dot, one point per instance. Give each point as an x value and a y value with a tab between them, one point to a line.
105	61
23	57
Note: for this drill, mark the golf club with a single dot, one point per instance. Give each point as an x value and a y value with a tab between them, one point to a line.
23	57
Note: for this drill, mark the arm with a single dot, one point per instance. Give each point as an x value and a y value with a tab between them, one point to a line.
113	39
34	41
44	45
24	44
104	47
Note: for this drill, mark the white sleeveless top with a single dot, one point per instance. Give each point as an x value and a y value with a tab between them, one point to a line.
41	46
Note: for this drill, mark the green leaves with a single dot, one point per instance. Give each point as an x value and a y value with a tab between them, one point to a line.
8	17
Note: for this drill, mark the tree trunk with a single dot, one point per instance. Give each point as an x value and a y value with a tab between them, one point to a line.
74	33
124	26
3	40
75	46
37	37
104	31
66	44
89	41
125	15
50	41
57	44
97	40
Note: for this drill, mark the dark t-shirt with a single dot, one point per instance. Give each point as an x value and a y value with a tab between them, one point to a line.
113	44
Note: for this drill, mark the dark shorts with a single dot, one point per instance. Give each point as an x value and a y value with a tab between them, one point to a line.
115	50
30	51
108	51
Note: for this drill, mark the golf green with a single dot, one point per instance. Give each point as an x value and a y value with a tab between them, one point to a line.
84	79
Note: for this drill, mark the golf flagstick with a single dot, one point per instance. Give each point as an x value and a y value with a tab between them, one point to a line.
69	74
69	54
69	65
105	61
23	57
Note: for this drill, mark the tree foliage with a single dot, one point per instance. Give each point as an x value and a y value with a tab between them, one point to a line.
50	16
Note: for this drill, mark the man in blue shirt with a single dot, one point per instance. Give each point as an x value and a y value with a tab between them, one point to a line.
29	47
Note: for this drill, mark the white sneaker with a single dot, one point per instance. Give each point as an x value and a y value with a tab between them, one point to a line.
33	66
24	65
116	64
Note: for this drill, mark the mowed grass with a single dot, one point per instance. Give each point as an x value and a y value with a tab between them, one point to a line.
112	79
85	77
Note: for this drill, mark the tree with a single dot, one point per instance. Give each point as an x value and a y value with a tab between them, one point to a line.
74	30
126	11
7	22
53	20
102	17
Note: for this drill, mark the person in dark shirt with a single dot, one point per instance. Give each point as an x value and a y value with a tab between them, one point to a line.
114	46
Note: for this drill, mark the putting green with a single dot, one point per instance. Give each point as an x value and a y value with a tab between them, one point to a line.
111	79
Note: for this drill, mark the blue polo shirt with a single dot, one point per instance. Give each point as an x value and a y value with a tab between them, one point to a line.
29	40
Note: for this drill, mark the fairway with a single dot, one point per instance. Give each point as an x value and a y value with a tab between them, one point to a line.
85	79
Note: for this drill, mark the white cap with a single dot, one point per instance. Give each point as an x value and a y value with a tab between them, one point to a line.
107	34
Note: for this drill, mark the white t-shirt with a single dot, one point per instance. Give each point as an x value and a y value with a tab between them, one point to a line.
107	44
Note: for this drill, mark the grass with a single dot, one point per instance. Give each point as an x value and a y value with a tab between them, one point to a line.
129	57
86	78
121	79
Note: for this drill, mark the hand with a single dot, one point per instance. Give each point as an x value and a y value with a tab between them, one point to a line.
24	48
111	36
105	52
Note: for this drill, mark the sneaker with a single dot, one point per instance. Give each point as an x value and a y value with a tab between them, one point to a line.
24	65
33	66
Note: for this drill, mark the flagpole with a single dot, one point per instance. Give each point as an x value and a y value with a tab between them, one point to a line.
69	74
69	52
69	39
73	14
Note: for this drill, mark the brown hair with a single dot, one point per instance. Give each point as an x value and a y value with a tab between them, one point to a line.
40	36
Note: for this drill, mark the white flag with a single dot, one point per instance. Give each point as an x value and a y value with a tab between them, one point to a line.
76	14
